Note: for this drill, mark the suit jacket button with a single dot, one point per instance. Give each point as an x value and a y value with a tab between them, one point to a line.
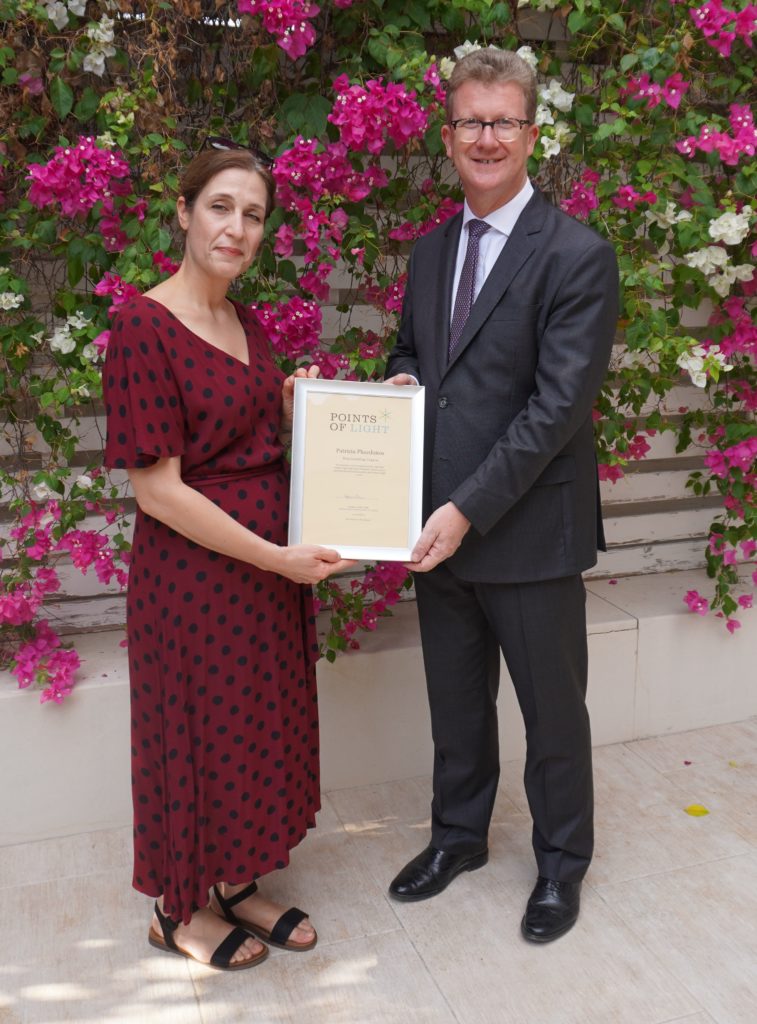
442	402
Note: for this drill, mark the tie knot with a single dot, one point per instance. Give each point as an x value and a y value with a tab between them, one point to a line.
476	228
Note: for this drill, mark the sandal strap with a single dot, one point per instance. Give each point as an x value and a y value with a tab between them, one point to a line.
226	950
168	927
227	902
286	925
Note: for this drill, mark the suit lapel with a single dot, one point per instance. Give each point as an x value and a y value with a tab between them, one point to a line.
519	247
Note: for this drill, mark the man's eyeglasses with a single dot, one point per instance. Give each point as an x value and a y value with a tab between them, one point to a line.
506	129
220	142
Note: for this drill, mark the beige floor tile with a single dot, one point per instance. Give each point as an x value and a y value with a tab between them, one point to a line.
727	790
511	855
675	840
327	820
84	957
722	786
77	926
327	879
66	856
376	980
470	941
382	806
734	742
627	789
135	1002
696	1018
700	925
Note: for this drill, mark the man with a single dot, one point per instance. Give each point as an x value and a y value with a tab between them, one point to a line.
508	322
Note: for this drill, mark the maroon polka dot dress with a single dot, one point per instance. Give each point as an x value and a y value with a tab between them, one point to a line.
221	654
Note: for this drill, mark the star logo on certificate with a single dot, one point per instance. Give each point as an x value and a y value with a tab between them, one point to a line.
385	415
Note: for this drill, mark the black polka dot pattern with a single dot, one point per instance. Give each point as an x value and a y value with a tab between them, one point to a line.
221	654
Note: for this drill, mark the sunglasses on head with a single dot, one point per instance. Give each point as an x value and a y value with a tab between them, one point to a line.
220	142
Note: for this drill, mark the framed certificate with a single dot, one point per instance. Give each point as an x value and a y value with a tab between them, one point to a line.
357	468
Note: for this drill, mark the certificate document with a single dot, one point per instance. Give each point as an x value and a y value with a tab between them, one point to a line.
357	468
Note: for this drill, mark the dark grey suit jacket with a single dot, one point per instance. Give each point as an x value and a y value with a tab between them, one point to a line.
508	433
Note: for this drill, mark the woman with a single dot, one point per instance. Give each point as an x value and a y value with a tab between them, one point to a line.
221	633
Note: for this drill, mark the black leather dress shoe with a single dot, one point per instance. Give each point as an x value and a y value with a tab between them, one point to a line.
431	872
552	910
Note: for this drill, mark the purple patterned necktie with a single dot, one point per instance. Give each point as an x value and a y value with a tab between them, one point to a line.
467	284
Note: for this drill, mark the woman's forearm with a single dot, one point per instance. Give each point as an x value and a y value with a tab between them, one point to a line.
162	494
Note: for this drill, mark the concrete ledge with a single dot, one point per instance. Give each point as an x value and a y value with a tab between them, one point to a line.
654	668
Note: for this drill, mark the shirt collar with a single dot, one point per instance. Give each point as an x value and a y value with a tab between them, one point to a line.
503	219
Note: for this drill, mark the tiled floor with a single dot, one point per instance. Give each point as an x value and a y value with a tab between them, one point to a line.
668	928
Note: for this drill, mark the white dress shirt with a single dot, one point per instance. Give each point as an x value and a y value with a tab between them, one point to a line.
501	221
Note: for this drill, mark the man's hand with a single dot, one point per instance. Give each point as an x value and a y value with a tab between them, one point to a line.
401	378
441	537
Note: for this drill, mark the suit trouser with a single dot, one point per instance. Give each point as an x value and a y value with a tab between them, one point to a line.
541	630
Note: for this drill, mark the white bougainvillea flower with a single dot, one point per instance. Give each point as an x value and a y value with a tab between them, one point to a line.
58	14
527	54
725	280
466	48
543	115
563	134
693	363
41	492
78	7
78	320
666	217
84	481
556	96
730	228
62	341
709	260
103	32
696	359
446	67
550	146
9	300
94	63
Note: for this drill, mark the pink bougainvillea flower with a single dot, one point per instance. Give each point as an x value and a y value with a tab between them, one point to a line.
32	82
642	87
389	298
638	447
673	90
696	602
118	289
164	263
80	176
582	200
367	116
288	21
293	326
408	230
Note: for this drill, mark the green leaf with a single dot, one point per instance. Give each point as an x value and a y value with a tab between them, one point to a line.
628	60
61	97
306	114
87	106
576	21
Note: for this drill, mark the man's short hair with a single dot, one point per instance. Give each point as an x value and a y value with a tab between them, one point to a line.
491	65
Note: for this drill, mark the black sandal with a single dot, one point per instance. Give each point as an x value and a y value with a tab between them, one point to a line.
279	934
221	958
